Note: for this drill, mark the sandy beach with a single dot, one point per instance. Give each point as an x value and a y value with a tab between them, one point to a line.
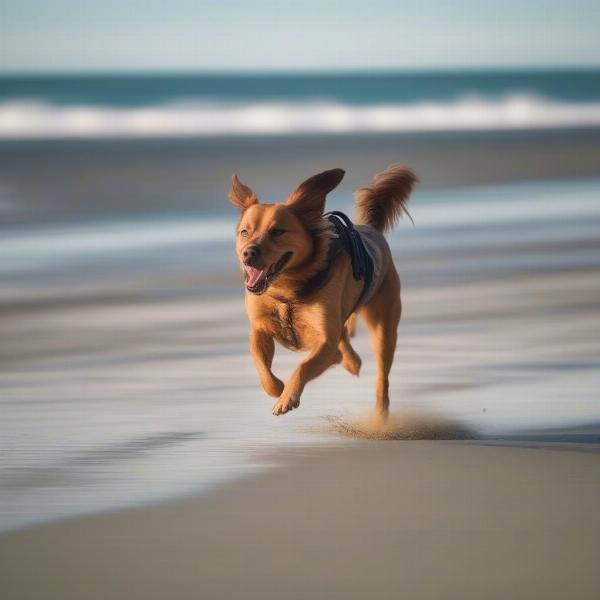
414	519
125	377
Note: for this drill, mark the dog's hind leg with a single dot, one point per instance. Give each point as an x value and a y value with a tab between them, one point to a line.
350	359
382	315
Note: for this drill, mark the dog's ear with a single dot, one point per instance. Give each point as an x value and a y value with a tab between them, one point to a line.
241	195
309	197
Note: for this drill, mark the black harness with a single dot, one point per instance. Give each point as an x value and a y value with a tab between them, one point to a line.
350	240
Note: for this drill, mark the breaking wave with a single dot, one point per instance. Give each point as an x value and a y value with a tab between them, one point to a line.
29	119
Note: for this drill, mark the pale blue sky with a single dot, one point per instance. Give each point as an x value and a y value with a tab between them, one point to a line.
309	34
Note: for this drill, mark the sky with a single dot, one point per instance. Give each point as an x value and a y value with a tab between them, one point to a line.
238	35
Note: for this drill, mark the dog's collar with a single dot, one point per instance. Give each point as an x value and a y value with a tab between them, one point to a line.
348	239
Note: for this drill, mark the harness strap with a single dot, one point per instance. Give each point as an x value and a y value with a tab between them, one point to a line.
349	239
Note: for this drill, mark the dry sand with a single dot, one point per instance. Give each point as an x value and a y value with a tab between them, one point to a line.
393	519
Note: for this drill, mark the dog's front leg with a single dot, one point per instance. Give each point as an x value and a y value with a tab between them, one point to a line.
320	359
262	347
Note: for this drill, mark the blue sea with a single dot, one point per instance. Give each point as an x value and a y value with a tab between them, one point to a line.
124	371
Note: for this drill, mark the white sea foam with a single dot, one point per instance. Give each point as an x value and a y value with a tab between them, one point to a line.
28	119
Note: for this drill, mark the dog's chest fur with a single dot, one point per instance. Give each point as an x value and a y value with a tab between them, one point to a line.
284	324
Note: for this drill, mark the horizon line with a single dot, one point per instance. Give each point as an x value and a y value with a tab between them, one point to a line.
298	71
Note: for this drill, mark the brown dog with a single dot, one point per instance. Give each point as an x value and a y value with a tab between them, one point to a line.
305	296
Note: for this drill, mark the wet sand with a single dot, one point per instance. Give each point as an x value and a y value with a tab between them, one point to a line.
126	379
393	519
103	178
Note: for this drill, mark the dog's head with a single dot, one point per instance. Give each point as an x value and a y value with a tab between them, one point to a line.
276	238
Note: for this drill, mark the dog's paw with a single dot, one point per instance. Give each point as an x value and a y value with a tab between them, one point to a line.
352	364
273	387
378	418
286	403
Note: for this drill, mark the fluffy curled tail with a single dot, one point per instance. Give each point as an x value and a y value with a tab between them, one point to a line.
382	203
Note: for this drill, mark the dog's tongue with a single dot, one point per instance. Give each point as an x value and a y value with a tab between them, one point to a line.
254	275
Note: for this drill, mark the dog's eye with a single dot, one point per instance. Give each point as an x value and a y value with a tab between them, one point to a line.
277	232
244	233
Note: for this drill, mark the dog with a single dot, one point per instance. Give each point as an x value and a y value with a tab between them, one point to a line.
308	274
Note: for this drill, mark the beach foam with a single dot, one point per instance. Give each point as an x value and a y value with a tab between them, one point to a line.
34	119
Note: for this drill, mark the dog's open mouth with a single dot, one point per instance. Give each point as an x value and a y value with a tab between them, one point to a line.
257	280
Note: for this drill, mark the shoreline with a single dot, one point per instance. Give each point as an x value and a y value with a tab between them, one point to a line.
339	433
117	384
340	522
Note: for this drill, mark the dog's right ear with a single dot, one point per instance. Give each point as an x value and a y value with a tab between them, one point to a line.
309	197
241	195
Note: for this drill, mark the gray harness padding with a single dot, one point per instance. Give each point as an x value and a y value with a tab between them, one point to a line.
368	251
380	255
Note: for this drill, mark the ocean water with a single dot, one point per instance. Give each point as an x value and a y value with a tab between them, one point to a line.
143	106
124	371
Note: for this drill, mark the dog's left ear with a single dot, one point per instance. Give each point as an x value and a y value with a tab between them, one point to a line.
309	197
241	195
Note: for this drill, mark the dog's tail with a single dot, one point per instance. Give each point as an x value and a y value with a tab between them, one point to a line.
382	203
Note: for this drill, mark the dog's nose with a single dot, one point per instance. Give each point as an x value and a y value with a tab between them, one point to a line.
250	254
